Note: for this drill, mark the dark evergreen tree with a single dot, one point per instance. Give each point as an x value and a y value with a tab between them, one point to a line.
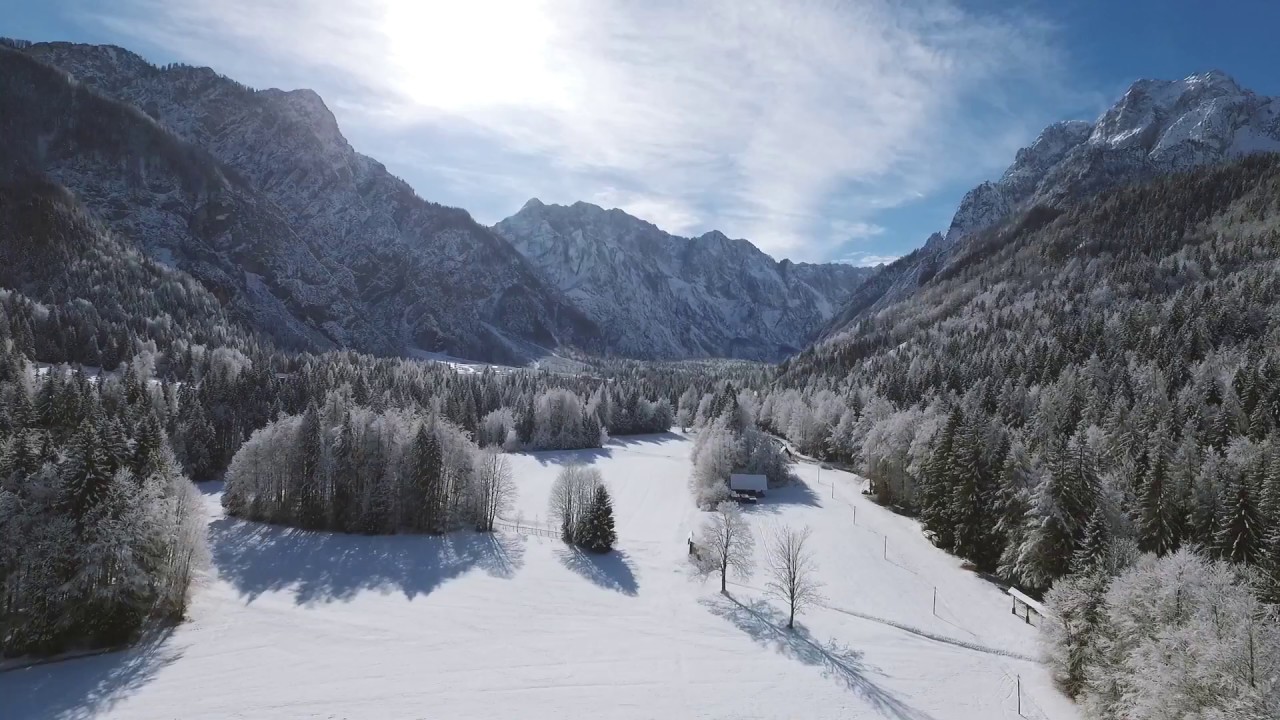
596	531
1240	531
309	491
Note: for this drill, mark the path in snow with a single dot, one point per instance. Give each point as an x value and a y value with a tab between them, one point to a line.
297	624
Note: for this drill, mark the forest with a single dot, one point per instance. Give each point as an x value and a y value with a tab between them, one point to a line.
1077	401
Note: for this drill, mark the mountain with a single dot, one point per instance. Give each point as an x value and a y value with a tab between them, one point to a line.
258	195
1157	127
657	295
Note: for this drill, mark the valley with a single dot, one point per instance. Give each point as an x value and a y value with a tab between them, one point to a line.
291	623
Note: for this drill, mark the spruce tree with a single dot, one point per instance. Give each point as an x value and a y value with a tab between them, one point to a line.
935	490
1240	530
310	492
1158	526
970	512
1096	536
596	530
426	482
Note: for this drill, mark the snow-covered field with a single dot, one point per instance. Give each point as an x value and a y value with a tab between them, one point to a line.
298	624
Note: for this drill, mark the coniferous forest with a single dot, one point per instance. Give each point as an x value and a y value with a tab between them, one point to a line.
1081	401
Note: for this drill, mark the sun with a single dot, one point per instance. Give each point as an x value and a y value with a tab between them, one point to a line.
466	55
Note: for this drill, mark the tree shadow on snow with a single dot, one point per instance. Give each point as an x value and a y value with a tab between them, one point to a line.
767	626
639	441
324	566
209	487
611	570
586	456
85	687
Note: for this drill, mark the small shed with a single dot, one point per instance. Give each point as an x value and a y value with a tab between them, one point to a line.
747	483
1028	605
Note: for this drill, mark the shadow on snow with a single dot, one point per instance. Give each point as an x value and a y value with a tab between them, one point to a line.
637	444
324	566
775	499
611	570
85	687
767	626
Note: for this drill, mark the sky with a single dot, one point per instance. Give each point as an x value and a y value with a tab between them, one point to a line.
821	130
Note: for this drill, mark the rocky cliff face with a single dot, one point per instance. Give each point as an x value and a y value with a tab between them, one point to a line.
1157	127
654	294
258	195
339	253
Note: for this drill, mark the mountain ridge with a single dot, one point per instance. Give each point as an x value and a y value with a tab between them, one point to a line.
662	295
1157	127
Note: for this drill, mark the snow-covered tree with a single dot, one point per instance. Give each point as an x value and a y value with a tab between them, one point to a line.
792	570
725	544
572	495
493	488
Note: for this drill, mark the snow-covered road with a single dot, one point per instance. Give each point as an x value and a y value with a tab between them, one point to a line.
294	624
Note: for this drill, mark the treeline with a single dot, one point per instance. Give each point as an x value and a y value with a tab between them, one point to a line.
1112	373
345	467
100	531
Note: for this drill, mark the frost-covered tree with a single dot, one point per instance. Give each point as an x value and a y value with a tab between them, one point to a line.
1178	636
571	498
792	570
725	544
494	488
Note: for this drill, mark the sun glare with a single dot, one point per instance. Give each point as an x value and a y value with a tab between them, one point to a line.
472	54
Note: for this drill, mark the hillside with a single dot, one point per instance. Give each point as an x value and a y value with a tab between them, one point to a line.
258	195
660	296
1157	127
319	244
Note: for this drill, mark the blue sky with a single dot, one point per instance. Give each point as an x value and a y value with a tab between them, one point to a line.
818	129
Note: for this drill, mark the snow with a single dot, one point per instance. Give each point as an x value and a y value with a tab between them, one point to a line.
297	624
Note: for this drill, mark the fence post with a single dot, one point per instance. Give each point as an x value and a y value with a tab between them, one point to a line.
886	547
1019	695
935	600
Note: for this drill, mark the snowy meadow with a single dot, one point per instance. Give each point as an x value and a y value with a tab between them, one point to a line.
294	623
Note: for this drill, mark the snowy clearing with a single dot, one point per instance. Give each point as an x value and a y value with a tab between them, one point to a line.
297	624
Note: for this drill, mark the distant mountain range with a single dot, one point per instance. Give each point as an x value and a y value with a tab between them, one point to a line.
1156	128
257	194
655	294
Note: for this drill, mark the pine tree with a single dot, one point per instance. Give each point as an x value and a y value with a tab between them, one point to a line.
346	493
935	490
1158	526
428	494
84	476
310	495
596	530
1096	536
971	499
1240	530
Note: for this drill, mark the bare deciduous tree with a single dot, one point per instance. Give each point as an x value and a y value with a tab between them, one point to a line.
792	569
494	487
571	495
726	544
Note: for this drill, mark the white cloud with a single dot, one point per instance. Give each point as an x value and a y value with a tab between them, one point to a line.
754	117
862	259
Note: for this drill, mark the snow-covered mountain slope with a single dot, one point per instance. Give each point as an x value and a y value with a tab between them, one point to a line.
295	624
654	294
1157	127
357	259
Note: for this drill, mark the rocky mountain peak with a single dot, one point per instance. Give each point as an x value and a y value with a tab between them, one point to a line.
655	294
